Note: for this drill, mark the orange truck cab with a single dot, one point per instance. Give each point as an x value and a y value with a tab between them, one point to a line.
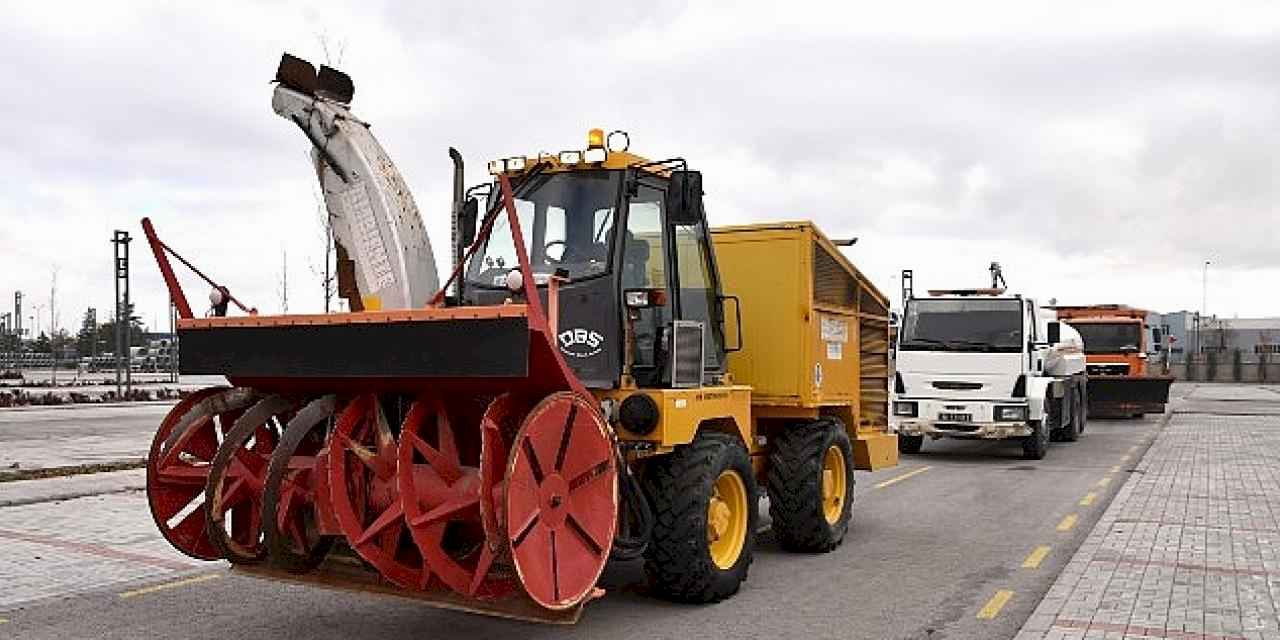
1115	346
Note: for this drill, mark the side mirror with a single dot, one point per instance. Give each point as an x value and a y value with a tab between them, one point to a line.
684	197
467	222
1055	332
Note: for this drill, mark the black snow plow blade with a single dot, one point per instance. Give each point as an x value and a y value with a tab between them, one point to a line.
1128	395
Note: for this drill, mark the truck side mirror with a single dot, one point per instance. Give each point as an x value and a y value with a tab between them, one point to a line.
1055	332
684	197
467	222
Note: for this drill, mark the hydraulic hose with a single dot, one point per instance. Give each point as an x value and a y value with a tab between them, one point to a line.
635	518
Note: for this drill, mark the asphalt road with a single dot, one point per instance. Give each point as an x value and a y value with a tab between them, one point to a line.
42	437
937	550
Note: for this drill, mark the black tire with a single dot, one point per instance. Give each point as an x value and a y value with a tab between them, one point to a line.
795	487
910	444
1084	408
244	430
1071	432
678	561
310	425
1036	445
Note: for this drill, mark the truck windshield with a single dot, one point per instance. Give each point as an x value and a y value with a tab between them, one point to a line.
567	223
1115	337
962	325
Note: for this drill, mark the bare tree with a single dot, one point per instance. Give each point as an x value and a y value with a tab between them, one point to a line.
328	280
333	53
283	291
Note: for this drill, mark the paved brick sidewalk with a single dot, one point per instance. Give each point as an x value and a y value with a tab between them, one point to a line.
1190	547
58	548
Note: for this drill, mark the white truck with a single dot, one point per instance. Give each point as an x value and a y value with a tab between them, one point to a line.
983	364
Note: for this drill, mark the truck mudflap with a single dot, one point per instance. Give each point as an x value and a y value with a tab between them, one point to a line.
874	449
1128	395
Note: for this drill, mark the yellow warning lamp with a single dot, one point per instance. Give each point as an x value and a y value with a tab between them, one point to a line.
595	147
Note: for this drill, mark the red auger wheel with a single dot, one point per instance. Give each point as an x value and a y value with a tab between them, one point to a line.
294	494
237	478
562	500
441	497
365	495
178	464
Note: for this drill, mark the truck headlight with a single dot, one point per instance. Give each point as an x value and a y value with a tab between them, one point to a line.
1011	414
905	409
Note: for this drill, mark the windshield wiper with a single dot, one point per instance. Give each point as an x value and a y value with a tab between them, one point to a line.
924	341
972	343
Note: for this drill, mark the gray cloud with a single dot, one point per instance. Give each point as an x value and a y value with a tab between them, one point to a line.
1116	154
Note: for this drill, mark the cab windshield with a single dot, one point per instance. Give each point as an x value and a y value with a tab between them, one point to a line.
567	222
1117	337
962	325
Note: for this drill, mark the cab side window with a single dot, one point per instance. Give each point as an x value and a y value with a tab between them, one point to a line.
643	267
698	296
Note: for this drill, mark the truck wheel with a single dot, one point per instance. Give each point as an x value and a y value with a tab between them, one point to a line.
1084	409
704	508
910	444
1071	432
1035	445
811	486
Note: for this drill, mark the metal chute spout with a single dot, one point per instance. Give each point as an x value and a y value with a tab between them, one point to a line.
376	225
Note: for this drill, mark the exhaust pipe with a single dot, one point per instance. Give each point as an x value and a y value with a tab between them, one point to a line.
459	182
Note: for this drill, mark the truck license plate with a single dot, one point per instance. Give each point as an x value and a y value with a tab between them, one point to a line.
956	417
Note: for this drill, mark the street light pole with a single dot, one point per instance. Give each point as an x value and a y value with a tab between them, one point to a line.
1204	290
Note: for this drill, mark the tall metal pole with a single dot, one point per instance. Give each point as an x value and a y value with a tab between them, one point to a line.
53	325
1204	290
120	240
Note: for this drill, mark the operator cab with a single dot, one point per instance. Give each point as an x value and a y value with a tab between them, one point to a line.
606	228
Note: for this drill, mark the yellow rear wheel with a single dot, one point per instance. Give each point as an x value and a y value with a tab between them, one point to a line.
727	519
834	484
811	485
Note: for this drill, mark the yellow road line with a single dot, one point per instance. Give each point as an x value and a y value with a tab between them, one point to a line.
4	621
1103	482
1068	522
170	585
1125	457
902	477
1088	499
994	605
1036	557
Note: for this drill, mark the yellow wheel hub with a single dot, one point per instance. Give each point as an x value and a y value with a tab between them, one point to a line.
727	519
834	484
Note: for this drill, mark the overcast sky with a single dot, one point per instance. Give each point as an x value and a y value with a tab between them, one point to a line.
1102	152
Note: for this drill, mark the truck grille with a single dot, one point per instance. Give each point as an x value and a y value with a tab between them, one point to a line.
686	354
956	386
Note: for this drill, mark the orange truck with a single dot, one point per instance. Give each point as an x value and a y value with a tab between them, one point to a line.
1115	346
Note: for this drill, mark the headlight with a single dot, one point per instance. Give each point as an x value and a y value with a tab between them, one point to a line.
639	414
904	409
595	155
516	164
570	157
1011	414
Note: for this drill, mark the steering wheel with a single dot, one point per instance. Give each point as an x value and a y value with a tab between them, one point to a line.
546	251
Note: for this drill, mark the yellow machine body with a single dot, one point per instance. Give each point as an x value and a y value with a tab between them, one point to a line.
815	334
815	342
